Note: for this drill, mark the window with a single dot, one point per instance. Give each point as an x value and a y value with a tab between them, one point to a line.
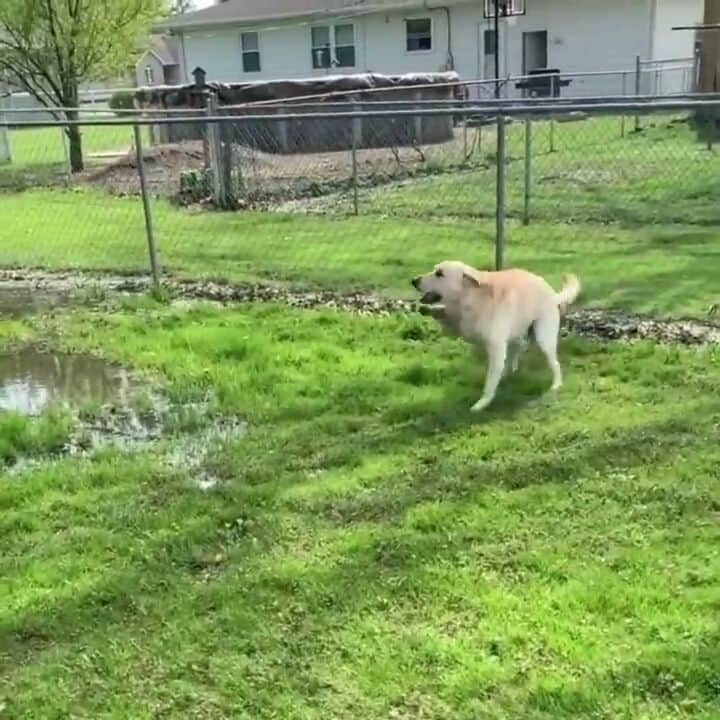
333	46
418	34
506	8
250	52
345	45
149	75
489	42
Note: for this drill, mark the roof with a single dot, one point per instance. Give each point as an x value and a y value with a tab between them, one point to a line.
164	48
254	11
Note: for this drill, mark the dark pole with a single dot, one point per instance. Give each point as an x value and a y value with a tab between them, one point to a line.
496	33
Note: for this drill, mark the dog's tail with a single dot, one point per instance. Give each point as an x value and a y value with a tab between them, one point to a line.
569	293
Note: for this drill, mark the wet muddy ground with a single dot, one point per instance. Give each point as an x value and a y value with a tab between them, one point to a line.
33	380
592	324
111	406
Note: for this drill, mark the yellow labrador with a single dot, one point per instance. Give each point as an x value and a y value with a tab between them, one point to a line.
497	311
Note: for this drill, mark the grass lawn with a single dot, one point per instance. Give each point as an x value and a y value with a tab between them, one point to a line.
372	550
660	176
44	145
634	216
661	269
39	155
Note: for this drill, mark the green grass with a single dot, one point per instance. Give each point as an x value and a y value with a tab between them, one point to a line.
373	550
662	175
633	216
20	436
39	155
662	269
44	145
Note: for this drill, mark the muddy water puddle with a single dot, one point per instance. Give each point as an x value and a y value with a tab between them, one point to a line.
33	380
19	300
113	408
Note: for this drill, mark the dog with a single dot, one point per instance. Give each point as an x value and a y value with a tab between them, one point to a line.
499	311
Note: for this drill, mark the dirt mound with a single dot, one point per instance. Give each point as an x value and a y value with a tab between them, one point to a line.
163	167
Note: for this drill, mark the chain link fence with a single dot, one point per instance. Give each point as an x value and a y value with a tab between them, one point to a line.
354	198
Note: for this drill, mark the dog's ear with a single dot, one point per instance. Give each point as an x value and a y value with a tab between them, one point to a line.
472	283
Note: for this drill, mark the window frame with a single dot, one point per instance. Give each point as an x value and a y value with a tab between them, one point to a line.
420	51
244	52
149	74
332	46
489	9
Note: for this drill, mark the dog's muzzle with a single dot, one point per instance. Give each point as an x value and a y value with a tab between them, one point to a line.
430	298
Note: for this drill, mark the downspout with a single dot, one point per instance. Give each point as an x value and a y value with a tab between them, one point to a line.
450	56
653	22
186	77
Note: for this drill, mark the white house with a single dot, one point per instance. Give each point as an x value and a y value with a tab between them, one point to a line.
160	63
246	40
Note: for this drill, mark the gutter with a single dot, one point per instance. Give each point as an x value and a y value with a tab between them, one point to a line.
360	10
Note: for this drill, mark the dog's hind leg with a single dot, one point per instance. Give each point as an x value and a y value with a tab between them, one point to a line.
515	351
546	331
496	354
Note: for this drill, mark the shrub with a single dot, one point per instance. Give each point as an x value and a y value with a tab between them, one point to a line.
122	101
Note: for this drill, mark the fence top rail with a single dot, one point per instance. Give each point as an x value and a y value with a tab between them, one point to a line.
365	91
546	110
451	84
462	104
686	59
494	102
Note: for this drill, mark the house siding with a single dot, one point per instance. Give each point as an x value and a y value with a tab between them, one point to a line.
671	13
583	35
158	70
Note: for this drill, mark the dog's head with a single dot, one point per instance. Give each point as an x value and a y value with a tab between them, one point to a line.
446	283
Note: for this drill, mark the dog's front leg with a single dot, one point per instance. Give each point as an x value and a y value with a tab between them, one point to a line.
496	354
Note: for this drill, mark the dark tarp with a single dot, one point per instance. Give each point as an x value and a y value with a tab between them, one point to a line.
246	93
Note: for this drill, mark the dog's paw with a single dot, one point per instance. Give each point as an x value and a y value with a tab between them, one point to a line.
480	405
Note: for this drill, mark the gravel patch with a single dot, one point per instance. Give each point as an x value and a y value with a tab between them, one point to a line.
594	324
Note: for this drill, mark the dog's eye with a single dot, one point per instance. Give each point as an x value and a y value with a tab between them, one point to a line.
438	273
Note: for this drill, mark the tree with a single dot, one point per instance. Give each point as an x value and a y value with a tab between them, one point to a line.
182	6
709	73
50	47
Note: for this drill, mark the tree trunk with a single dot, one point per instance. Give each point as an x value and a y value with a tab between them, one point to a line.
710	49
74	137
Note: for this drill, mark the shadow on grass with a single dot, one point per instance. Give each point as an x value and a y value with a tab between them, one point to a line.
444	479
109	605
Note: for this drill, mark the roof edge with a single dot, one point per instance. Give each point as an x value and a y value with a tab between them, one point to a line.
180	23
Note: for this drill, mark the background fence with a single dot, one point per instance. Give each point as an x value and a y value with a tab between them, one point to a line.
546	178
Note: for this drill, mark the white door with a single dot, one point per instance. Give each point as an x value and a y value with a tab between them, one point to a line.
486	55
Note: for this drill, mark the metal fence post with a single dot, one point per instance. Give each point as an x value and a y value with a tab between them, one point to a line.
552	120
500	195
149	229
638	70
66	155
217	157
528	171
624	93
6	156
356	139
710	131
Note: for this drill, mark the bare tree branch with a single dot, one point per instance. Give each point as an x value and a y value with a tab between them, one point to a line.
51	47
